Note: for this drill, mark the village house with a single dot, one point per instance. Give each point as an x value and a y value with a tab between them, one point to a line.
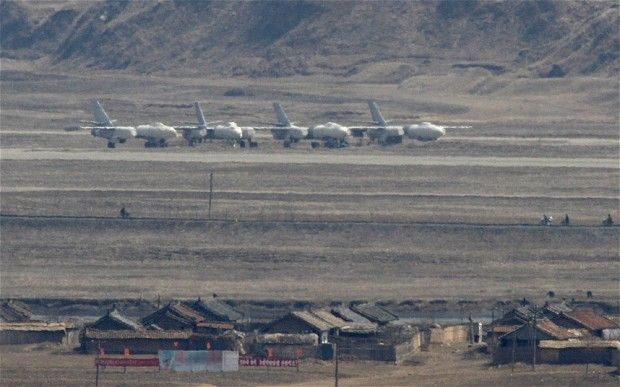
518	344
135	341
320	322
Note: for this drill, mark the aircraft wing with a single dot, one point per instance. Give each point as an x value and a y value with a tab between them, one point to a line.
77	127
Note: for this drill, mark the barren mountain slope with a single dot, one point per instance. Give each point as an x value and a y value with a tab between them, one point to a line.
277	38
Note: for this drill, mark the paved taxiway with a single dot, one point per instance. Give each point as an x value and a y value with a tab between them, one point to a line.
304	158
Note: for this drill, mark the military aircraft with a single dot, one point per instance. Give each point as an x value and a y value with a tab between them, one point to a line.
156	134
228	131
285	129
104	127
392	134
332	135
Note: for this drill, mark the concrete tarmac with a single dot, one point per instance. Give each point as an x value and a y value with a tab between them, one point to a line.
157	155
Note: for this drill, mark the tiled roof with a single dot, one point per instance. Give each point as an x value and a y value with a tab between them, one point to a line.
216	307
374	313
591	320
554	330
186	312
330	318
139	334
558	308
348	315
116	316
314	321
14	311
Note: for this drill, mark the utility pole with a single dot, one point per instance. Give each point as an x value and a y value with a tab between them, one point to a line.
210	192
336	370
534	339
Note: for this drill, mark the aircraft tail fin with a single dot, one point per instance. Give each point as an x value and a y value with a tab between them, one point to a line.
377	117
281	115
101	117
200	117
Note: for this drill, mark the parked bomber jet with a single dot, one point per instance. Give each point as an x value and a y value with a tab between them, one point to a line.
391	134
156	134
104	127
332	135
229	131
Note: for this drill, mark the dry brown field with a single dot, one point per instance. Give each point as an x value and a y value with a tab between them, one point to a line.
341	230
442	366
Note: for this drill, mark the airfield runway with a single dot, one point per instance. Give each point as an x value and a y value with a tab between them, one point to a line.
21	154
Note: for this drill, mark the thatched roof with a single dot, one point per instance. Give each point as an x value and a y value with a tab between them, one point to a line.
561	344
32	326
283	338
139	334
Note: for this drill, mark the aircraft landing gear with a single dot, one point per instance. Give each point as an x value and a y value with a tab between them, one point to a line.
111	144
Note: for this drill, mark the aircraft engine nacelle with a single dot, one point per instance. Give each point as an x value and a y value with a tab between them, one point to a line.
424	132
329	130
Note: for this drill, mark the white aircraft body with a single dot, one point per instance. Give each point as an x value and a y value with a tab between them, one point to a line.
229	131
156	134
391	134
332	134
104	127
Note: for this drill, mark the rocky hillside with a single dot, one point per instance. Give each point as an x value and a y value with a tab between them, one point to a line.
346	38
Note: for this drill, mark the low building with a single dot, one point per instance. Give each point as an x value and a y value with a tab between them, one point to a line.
283	345
578	351
319	322
519	344
136	341
33	332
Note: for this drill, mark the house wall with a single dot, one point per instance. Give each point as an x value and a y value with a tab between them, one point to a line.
453	334
372	350
282	351
136	346
503	355
291	325
31	337
585	355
